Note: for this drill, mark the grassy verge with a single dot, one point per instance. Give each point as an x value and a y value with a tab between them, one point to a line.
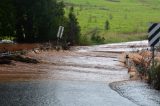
111	37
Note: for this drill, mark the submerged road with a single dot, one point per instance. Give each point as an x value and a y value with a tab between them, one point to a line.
81	77
60	93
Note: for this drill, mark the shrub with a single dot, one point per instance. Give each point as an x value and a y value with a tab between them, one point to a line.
107	25
141	61
95	37
154	77
84	40
73	30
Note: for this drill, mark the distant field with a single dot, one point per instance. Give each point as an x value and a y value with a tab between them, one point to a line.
128	19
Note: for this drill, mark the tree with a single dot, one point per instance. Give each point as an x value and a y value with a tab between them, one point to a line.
7	18
73	28
31	20
107	26
38	20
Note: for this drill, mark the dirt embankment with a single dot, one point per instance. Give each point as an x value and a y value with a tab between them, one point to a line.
9	59
30	66
13	64
17	47
13	52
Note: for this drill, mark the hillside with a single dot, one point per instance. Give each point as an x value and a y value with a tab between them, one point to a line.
128	19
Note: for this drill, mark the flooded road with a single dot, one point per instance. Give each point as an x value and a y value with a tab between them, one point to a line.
60	93
84	76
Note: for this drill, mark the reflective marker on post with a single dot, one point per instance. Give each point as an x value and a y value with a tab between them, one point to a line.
62	29
154	37
59	30
154	34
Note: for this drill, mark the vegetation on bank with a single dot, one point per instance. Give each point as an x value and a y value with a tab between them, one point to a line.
147	70
154	76
128	19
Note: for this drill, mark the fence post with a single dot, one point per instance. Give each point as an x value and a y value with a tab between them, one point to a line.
153	49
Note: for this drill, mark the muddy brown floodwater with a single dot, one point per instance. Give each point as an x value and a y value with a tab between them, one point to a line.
83	76
67	65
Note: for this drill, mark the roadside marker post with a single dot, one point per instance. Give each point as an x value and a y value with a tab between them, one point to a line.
59	30
59	34
154	37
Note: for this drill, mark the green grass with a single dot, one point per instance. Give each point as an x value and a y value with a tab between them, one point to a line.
129	19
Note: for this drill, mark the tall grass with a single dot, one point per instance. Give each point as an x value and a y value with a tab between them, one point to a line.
154	77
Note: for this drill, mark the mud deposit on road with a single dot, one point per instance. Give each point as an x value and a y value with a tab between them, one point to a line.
137	91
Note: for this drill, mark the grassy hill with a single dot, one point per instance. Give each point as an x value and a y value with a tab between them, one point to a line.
128	19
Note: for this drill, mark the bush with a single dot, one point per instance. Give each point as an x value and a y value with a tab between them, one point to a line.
95	37
84	40
154	77
73	30
107	26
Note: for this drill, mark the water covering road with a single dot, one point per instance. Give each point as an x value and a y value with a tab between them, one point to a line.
86	76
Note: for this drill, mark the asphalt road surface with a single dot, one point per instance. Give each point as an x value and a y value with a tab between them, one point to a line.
60	93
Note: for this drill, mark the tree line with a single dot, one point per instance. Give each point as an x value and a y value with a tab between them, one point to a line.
37	21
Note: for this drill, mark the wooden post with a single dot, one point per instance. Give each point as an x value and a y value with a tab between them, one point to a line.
128	63
153	49
127	60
